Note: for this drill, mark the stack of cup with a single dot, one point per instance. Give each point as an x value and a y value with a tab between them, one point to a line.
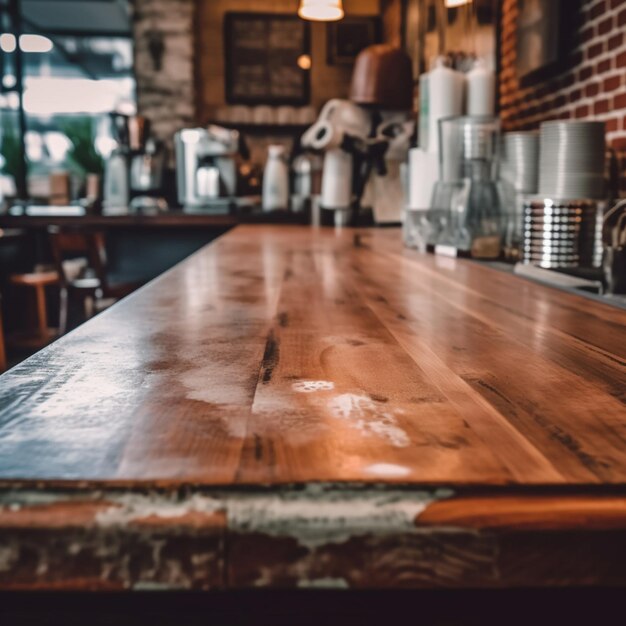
572	160
520	161
519	172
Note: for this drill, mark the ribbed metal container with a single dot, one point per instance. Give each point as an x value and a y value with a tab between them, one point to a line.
572	159
561	233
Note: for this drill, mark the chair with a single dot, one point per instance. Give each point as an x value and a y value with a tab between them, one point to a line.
92	287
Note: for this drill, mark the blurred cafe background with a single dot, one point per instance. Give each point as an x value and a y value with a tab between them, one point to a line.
134	132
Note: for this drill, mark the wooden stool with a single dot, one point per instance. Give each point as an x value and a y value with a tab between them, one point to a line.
38	281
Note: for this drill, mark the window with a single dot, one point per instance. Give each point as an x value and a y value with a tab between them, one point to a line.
72	80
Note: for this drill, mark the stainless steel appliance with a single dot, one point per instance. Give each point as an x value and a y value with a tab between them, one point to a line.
207	168
614	240
116	182
133	176
146	168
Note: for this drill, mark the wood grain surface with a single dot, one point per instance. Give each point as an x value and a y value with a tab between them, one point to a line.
169	219
281	355
281	358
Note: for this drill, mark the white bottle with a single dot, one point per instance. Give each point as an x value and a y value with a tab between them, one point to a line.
337	180
275	180
481	83
446	89
424	118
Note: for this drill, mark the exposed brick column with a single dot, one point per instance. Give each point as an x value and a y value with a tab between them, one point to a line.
166	94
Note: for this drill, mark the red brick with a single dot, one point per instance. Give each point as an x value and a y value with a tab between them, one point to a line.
544	107
597	10
617	3
601	106
611	84
595	50
619	102
620	61
585	73
616	41
575	95
582	111
621	17
603	66
592	90
612	125
605	26
619	144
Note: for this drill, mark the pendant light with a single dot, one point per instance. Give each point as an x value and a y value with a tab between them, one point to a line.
321	10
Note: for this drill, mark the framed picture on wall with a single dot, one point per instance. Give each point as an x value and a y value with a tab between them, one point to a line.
346	38
264	54
539	39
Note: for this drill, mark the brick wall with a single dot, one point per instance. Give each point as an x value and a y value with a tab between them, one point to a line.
591	84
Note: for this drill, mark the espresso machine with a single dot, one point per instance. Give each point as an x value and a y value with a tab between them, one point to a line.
207	168
133	173
365	139
340	128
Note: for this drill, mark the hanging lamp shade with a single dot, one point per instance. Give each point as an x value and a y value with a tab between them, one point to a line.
321	10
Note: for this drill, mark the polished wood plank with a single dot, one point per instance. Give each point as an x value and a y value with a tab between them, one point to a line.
285	354
342	394
550	405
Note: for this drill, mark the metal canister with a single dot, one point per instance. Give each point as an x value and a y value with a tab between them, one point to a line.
561	233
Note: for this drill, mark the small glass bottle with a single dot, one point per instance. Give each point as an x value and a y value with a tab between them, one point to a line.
275	180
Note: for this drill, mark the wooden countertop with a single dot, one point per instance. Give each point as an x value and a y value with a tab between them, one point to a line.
303	406
170	219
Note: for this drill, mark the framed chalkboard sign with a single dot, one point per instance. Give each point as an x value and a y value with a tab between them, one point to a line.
262	51
346	38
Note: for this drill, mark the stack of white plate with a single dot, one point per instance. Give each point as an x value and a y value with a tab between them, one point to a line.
520	161
572	160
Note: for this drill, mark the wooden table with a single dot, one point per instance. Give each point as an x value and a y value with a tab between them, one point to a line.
297	407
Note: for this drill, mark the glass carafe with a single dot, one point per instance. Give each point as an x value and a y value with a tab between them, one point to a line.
468	188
